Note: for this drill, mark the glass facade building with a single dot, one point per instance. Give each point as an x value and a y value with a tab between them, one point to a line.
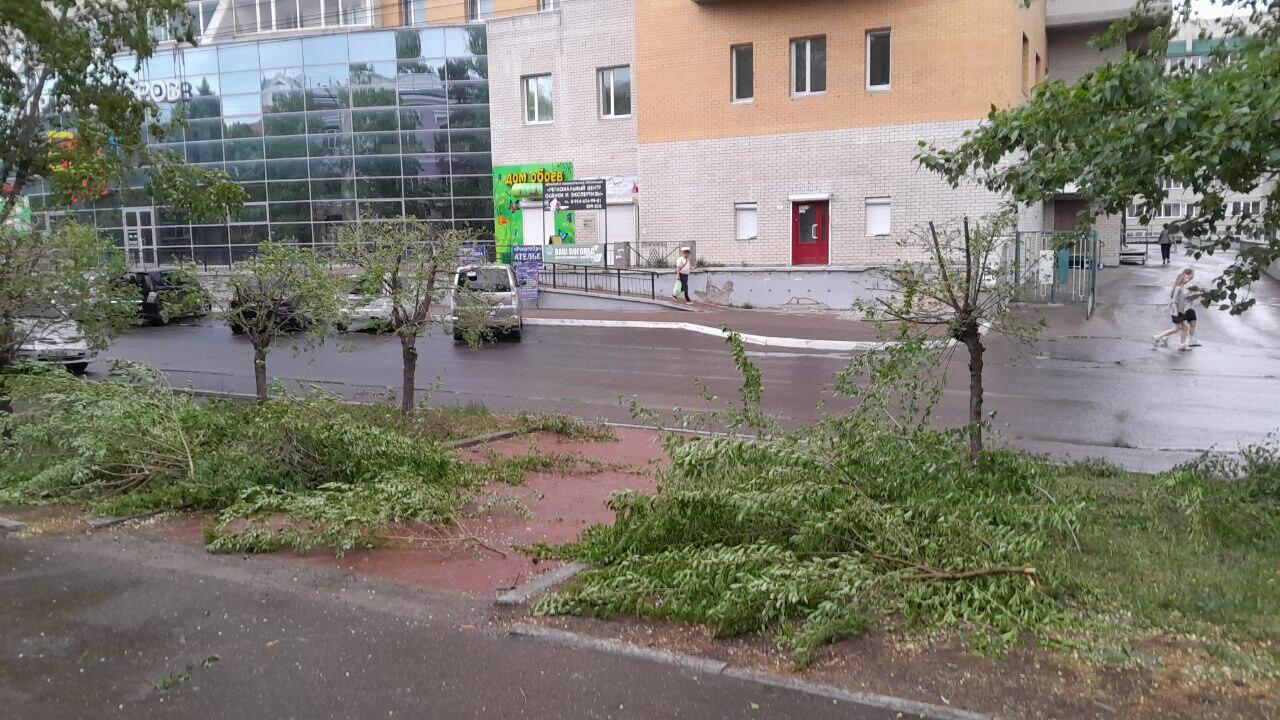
321	131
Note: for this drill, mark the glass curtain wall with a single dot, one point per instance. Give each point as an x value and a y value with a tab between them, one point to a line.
321	132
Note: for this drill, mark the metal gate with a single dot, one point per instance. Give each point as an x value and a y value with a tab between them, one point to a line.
1056	267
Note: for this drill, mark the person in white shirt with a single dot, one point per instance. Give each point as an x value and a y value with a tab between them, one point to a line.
1184	316
684	266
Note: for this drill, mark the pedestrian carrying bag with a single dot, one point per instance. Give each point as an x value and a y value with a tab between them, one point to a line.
675	291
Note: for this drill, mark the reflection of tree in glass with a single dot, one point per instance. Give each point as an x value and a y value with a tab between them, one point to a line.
371	97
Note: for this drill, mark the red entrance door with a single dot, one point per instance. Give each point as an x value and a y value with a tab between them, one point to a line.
809	233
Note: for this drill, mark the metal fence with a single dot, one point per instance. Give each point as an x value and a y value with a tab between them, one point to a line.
1055	267
610	280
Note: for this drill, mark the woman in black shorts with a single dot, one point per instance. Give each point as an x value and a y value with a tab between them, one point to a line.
1184	317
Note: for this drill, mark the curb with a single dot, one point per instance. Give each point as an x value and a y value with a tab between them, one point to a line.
890	703
540	584
8	526
482	439
765	340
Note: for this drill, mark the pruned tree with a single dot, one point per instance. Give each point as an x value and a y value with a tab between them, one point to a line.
282	292
1134	122
961	292
411	263
68	280
58	72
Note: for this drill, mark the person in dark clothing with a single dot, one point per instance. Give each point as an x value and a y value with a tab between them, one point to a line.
1166	244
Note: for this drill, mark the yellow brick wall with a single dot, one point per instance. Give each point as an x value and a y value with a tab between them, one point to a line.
951	60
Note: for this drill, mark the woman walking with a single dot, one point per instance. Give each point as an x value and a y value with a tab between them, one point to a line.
1184	317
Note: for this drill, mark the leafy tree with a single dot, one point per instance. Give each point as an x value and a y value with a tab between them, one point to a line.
963	289
61	282
57	73
411	263
282	289
1127	125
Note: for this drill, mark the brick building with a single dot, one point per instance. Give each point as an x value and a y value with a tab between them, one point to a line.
777	133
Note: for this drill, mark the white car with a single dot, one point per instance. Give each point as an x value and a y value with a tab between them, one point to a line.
55	343
363	312
496	286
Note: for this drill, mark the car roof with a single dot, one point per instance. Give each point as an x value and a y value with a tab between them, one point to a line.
469	268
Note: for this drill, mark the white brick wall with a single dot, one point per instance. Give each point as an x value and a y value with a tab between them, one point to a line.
572	44
690	189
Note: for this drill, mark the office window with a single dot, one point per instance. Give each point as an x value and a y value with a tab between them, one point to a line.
548	4
537	99
744	221
1171	210
878	60
615	91
879	211
414	11
479	10
743	59
809	66
1253	207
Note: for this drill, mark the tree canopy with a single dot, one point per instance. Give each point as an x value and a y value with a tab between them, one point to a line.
1133	126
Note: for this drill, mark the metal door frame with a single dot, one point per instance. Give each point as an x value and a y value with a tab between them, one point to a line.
136	253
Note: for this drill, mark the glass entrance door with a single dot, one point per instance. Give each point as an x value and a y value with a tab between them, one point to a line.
809	244
139	236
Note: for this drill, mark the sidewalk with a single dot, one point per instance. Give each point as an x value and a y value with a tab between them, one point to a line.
769	323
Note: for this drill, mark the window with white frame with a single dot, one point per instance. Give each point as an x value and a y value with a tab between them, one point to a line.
1170	185
879	213
742	58
615	91
878	60
809	66
548	4
1171	210
1252	207
198	17
479	10
260	16
744	220
537	99
414	11
1133	213
1193	209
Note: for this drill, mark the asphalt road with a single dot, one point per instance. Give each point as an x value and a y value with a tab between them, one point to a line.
1088	389
93	626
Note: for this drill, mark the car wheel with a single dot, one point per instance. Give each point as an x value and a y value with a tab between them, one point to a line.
77	368
515	334
458	338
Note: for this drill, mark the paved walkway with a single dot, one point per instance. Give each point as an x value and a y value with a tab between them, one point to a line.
123	627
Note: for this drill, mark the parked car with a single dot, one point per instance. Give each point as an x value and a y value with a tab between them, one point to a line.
285	312
55	343
493	285
158	287
362	311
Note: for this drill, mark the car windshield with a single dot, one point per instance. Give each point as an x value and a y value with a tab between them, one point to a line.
486	279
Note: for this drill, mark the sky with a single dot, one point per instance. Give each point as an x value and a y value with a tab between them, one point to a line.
1208	8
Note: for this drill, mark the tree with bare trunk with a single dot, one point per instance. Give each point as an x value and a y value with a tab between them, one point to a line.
410	263
962	288
282	292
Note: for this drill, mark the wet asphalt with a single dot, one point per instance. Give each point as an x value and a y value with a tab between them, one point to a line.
1088	388
121	626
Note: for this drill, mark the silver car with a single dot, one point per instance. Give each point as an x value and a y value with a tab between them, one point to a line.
493	289
54	343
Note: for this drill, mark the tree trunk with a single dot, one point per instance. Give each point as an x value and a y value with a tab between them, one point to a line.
973	342
409	353
260	373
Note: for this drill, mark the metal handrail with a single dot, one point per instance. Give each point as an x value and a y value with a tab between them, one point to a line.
613	280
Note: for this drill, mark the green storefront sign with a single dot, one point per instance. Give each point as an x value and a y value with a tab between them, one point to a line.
511	185
592	254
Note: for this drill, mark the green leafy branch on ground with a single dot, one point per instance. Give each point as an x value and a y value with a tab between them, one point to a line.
874	518
297	473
